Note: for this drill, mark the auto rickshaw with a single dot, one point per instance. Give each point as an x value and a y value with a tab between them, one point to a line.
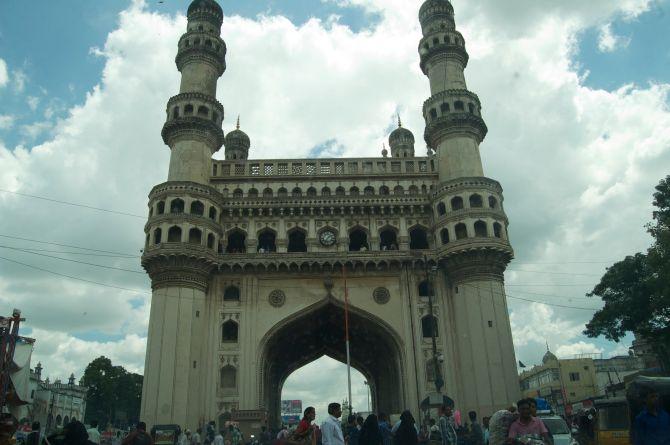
612	425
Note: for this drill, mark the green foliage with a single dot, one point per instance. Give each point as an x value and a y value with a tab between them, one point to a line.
114	394
636	291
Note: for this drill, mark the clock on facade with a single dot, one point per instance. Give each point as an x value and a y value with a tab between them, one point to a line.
327	238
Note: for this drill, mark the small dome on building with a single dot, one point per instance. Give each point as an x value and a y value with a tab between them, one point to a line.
237	143
435	6
205	4
549	357
401	142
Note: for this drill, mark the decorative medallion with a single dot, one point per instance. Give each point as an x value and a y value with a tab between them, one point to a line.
277	298
381	295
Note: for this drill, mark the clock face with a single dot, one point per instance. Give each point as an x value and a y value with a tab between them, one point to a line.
327	238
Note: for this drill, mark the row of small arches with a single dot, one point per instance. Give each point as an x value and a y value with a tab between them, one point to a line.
480	230
448	39
175	235
208	43
190	110
456	107
177	206
297	192
475	200
201	28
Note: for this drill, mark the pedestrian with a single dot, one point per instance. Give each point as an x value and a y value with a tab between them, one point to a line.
218	438
304	432
652	425
34	436
447	426
195	437
75	434
499	426
385	429
210	433
406	434
360	421
370	433
331	429
476	432
283	433
527	425
93	433
485	425
234	435
352	431
139	436
266	437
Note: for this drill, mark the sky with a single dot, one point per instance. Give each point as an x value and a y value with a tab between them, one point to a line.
575	95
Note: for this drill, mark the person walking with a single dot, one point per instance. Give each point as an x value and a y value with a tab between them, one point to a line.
652	425
139	436
406	433
352	431
304	432
34	436
370	433
385	429
195	437
476	432
218	438
234	435
447	426
93	433
331	430
527	425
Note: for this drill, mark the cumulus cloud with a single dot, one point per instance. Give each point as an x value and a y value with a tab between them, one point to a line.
609	42
4	75
6	121
580	347
591	156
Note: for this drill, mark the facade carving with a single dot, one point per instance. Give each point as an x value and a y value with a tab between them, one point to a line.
248	257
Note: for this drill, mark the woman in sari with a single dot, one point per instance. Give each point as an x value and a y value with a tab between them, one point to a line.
304	433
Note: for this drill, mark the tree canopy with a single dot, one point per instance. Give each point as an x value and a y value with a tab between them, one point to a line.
114	394
636	290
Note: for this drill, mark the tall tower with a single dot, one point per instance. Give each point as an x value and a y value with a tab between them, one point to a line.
182	233
471	230
194	116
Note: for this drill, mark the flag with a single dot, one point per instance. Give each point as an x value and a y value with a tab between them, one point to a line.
521	365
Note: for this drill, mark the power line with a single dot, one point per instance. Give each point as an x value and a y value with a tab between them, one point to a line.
555	273
127	257
66	245
74	278
73	261
57	201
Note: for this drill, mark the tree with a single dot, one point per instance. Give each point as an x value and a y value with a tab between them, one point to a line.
114	394
636	291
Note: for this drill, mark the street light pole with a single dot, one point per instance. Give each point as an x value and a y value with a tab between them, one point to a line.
439	381
369	397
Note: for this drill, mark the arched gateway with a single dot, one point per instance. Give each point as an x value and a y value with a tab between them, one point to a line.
318	330
247	257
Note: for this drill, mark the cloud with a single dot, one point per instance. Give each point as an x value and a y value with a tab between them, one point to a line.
608	42
19	80
578	164
6	121
4	75
33	102
580	347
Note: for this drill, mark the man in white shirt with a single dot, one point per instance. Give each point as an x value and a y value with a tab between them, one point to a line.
218	439
331	429
93	433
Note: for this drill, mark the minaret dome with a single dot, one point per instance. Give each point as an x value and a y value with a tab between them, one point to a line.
401	142
237	144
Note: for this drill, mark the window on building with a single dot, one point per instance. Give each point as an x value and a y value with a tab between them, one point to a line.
266	241
195	236
428	326
388	239
481	229
197	208
574	377
297	241
461	231
418	239
210	241
158	233
476	201
425	289
358	241
236	242
177	206
441	209
229	332
231	293
212	213
160	207
456	203
444	236
174	234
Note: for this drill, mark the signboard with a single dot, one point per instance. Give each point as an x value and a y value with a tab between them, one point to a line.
292	419
291	407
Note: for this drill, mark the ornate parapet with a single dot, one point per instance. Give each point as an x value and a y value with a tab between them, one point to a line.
202	47
475	259
454	124
179	264
445	44
193	128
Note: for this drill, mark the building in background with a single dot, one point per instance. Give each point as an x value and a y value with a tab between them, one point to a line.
564	382
55	404
643	348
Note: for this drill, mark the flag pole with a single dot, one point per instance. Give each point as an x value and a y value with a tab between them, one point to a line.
346	334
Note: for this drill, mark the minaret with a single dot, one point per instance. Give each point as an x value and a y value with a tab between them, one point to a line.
194	116
470	227
454	126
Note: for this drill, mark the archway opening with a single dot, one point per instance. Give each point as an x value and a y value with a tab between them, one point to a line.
418	239
297	241
388	240
319	330
266	242
358	240
305	385
236	242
